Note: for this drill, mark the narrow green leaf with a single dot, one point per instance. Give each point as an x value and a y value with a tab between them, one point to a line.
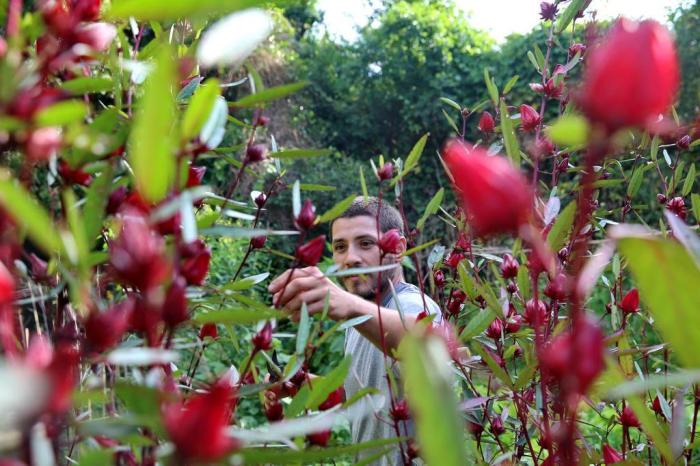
509	85
28	213
431	208
667	278
337	210
160	10
451	103
533	60
240	315
493	92
525	377
75	223
497	370
199	108
695	200
62	113
556	238
509	137
412	158
466	283
477	324
569	14
272	93
635	181
81	86
300	153
272	455
451	121
569	130
363	184
304	328
151	151
689	180
315	187
95	204
420	247
428	387
247	282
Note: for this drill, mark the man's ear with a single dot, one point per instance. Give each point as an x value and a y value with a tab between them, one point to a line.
403	246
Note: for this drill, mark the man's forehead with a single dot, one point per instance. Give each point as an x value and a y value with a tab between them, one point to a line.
352	227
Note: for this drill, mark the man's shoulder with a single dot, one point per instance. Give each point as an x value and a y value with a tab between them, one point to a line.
411	299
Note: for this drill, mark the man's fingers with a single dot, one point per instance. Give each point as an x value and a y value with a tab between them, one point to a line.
295	287
308	297
278	283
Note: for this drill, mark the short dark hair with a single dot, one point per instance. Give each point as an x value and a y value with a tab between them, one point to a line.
389	217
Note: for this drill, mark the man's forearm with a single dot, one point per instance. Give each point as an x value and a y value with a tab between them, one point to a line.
391	324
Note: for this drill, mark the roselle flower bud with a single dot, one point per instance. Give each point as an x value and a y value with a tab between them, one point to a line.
400	412
535	311
630	302
463	242
453	259
677	207
385	172
529	118
208	331
453	307
257	242
86	10
494	194
261	120
537	88
486	123
175	309
262	341
97	36
614	93
439	278
299	378
390	242
255	153
548	11
628	418
7	286
563	254
511	287
553	88
274	411
556	289
684	142
514	323
260	200
42	144
509	267
475	428
458	296
115	200
422	315
319	438
73	176
610	455
495	329
137	256
656	406
310	253
195	175
497	428
577	48
195	265
412	449
198	428
334	398
103	330
306	217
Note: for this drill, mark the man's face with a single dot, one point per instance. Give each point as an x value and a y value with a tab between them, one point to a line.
355	245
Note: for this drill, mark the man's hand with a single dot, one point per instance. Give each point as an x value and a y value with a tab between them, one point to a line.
309	285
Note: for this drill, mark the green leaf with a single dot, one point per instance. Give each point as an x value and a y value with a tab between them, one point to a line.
272	93
477	324
247	282
533	60
363	185
497	370
62	113
695	200
199	108
96	457
291	154
160	10
304	328
272	455
465	281
412	158
315	187
81	86
569	130
525	377
509	85
311	398
654	148
635	181
95	204
509	137
667	278
139	399
75	223
689	180
420	247
491	87
240	315
337	210
556	238
451	103
29	214
569	14
431	208
428	387
151	151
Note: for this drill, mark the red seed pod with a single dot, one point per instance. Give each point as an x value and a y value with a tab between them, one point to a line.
556	289
175	309
535	310
103	330
610	455
255	153
677	207
73	175
656	406
495	329
260	200
208	331
319	438
475	428
306	217
257	242
400	411
453	259
577	48
390	242
630	302
529	118
458	295
514	323
115	200
486	123
439	278
262	341
684	142
195	264
334	398
385	172
614	93
497	427
463	242
310	253
195	175
628	418
509	267
261	120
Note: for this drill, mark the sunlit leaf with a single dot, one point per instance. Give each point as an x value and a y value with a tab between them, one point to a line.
174	9
267	95
199	108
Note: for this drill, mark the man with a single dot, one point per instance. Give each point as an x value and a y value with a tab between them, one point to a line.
355	244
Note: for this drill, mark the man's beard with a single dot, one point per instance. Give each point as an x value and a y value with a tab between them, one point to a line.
367	289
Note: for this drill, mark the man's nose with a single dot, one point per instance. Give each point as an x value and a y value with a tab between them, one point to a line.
352	258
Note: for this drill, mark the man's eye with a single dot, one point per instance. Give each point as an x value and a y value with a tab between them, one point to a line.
367	244
339	248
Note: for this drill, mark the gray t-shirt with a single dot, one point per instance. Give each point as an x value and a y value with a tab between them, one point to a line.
367	369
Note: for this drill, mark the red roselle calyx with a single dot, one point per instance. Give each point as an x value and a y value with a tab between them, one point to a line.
486	123
260	200
677	207
334	398
497	427
385	172
195	265
103	330
495	329
631	77
509	267
495	195
262	341
306	217
439	278
577	48
310	253
548	11
390	242
319	438
628	418
208	331
529	118
400	411
257	242
684	142
175	309
7	285
535	310
255	153
610	455
630	302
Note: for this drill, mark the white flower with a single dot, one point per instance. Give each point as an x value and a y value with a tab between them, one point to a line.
231	39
